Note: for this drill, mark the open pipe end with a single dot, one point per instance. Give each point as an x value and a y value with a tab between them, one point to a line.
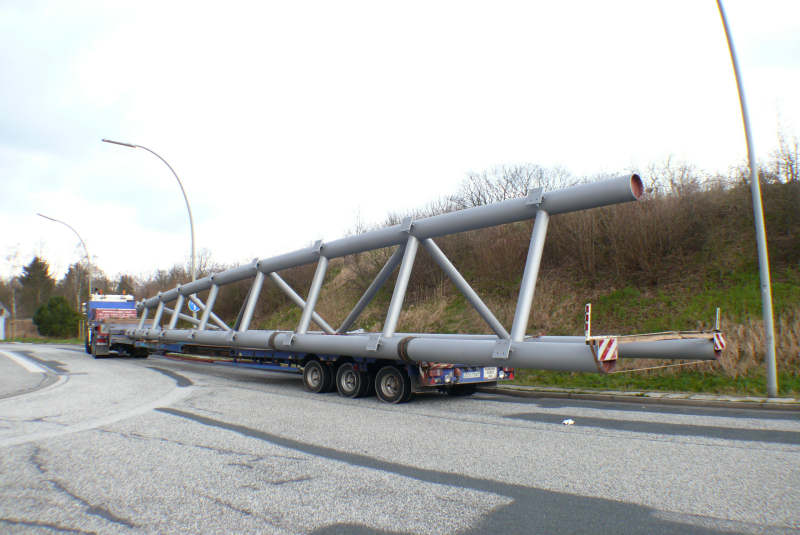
637	188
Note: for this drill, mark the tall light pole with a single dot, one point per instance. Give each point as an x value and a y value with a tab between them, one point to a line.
758	215
185	198
85	249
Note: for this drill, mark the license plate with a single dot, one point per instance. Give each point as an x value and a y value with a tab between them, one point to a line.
490	373
472	375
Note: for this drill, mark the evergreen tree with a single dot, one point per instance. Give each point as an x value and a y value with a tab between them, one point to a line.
56	318
37	285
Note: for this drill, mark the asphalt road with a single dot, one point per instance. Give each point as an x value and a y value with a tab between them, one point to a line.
160	446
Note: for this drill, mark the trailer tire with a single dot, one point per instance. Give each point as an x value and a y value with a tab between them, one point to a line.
317	377
352	383
393	385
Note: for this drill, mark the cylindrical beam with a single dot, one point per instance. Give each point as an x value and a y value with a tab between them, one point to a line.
688	349
177	315
574	198
143	318
300	302
529	276
399	294
255	293
383	275
216	319
178	306
210	300
313	295
460	282
157	318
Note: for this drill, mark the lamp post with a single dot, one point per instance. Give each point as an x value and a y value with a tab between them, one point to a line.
758	215
185	198
85	249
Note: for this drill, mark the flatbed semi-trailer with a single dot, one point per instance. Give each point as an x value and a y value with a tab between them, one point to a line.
353	377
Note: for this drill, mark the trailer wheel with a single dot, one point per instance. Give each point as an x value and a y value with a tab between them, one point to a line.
393	385
317	377
350	382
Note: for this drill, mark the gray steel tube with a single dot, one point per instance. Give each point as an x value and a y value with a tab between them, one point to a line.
580	197
686	349
313	294
178	306
474	299
383	275
400	286
529	277
255	293
300	302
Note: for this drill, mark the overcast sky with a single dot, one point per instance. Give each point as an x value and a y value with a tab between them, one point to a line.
287	121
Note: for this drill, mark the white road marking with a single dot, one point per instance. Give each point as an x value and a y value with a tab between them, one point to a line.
28	364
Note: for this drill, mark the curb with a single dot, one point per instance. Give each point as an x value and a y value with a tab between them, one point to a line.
654	398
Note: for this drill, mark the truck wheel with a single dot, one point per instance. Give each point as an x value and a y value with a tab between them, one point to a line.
393	385
350	382
317	377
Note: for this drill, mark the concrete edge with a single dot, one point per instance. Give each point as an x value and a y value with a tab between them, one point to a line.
654	398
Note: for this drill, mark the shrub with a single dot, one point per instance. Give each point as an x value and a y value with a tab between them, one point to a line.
56	318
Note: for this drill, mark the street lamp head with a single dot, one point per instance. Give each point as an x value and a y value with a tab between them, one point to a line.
50	218
120	143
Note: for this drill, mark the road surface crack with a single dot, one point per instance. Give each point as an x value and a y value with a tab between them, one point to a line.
273	521
95	510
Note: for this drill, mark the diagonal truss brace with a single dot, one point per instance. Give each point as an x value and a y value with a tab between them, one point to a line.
383	275
299	301
458	280
207	309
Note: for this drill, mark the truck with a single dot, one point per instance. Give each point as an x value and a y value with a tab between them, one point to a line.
107	318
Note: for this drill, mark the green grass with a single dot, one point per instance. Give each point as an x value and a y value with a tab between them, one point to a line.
78	341
685	381
737	293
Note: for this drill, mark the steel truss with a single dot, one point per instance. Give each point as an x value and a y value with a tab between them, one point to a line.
503	348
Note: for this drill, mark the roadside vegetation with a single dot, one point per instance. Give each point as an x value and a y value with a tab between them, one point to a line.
664	263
